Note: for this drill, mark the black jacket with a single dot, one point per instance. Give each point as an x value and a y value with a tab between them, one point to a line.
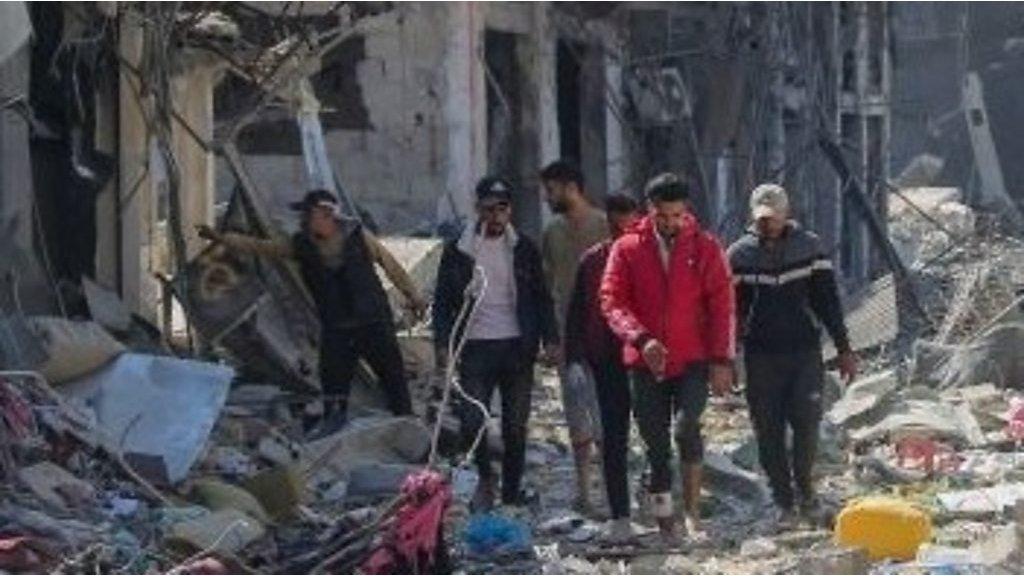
350	295
534	308
785	292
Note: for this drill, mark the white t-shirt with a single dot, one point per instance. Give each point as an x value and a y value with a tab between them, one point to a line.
495	317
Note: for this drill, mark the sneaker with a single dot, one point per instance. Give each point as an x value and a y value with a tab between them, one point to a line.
330	425
694	532
520	499
810	510
619	531
786	519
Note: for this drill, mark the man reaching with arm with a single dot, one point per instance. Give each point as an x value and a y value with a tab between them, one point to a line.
336	258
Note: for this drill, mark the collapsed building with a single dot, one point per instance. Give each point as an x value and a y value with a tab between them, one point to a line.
123	126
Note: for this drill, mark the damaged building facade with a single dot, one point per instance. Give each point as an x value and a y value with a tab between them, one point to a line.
404	113
160	402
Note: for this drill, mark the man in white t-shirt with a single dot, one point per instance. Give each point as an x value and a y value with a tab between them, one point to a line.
512	316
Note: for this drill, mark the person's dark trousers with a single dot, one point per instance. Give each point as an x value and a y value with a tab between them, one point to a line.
340	351
502	365
613	399
785	390
655	403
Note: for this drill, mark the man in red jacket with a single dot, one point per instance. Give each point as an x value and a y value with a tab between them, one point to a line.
667	294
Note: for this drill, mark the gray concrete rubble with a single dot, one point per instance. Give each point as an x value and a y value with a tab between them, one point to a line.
158	458
161	402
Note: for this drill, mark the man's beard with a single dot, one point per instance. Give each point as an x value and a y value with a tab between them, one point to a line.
668	235
559	206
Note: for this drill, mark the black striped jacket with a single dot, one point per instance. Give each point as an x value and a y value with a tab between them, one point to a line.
785	293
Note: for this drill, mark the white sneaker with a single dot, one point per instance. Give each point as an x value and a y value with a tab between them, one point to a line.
619	531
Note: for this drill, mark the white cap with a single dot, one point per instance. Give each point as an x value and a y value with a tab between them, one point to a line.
769	201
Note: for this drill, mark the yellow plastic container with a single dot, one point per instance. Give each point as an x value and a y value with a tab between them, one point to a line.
884	527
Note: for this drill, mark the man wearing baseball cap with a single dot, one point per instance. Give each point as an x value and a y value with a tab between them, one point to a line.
499	274
785	289
337	258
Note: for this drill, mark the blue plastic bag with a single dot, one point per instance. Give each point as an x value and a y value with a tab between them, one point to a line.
487	534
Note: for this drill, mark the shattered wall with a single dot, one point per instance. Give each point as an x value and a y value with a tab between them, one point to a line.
415	111
383	121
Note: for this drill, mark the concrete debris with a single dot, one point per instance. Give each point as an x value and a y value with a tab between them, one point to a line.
106	308
131	455
226	531
216	495
861	398
56	486
912	216
164	408
377	440
993	357
722	475
920	172
73	349
928	417
758	548
279	491
981	500
833	560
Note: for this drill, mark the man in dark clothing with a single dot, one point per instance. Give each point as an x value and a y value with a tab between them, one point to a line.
502	274
589	341
667	294
785	288
336	258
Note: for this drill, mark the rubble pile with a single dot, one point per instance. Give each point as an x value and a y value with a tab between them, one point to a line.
935	435
968	271
122	461
120	457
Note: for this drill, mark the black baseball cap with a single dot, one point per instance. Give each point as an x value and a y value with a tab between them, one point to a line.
315	198
493	188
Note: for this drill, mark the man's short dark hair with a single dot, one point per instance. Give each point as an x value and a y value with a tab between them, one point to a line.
620	204
563	172
667	187
314	197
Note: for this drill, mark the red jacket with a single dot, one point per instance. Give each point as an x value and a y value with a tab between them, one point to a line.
690	308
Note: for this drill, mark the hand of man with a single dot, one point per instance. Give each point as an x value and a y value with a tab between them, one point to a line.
848	366
720	377
655	356
418	307
206	233
552	354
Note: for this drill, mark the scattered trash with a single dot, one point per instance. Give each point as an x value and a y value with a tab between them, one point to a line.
981	500
415	541
833	560
73	349
24	554
279	490
758	548
56	486
492	534
225	531
217	495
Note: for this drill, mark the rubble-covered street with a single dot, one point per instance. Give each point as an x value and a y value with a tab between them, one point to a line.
245	246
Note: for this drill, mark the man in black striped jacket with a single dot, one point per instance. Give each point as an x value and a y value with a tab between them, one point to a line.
786	291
